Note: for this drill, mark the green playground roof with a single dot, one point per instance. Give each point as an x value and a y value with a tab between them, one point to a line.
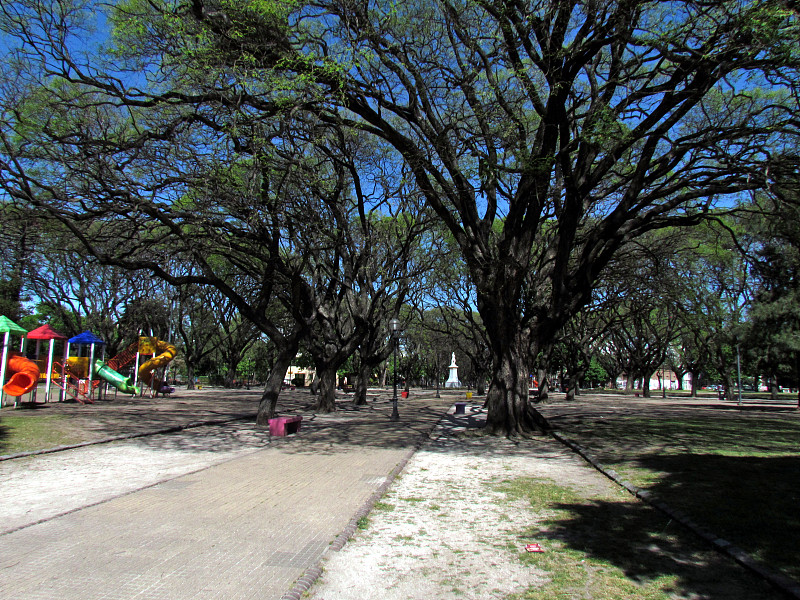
8	326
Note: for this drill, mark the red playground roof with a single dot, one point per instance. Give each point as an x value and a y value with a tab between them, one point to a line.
45	332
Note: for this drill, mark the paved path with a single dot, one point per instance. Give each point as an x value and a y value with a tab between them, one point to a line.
208	512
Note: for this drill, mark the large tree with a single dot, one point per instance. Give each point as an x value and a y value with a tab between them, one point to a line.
772	328
577	125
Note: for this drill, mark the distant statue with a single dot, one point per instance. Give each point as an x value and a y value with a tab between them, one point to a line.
452	381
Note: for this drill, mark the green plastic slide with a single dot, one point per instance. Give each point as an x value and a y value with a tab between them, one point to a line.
123	384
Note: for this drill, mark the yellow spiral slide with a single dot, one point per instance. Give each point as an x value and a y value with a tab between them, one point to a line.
166	352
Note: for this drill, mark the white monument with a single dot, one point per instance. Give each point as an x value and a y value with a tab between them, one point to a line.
453	381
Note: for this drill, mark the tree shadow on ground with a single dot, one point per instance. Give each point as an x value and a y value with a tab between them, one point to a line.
646	546
5	432
749	501
126	417
367	426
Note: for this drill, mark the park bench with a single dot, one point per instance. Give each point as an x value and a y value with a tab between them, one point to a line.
281	426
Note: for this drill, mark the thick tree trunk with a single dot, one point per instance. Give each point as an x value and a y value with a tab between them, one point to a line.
480	384
568	385
326	398
773	386
230	376
508	410
272	389
360	396
727	383
679	377
190	375
573	381
382	376
646	385
544	385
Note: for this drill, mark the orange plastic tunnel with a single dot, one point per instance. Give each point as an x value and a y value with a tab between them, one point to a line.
25	375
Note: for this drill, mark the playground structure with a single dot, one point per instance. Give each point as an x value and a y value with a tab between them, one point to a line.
22	378
79	377
164	353
83	375
40	334
25	375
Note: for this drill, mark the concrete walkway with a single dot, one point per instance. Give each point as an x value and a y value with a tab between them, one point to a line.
208	512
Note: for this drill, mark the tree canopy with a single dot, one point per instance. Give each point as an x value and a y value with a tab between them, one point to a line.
543	135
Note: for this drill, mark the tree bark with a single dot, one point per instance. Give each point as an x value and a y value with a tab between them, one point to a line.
544	385
509	412
773	386
326	398
190	375
360	396
230	376
272	389
646	384
568	383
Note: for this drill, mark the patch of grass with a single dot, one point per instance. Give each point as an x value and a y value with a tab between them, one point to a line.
413	499
541	493
612	547
27	433
734	472
434	506
385	506
363	522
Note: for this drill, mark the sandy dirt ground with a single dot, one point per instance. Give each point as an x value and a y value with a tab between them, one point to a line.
445	531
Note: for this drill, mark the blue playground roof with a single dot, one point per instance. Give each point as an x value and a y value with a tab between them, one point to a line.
87	337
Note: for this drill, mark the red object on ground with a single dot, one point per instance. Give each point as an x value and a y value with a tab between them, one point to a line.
281	426
25	375
534	548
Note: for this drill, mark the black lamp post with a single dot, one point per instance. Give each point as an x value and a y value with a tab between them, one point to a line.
437	375
395	329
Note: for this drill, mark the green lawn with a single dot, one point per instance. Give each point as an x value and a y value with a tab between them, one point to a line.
25	433
610	546
734	472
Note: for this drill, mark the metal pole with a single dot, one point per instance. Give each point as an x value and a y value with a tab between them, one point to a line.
739	375
395	414
437	377
6	337
49	371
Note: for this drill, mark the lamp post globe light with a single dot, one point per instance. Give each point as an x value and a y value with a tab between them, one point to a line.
395	328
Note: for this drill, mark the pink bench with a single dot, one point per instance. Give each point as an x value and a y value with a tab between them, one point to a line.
281	426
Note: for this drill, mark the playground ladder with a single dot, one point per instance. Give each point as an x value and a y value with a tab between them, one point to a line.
123	358
73	384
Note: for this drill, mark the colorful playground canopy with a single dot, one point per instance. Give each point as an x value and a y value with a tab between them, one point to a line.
8	326
87	337
45	332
